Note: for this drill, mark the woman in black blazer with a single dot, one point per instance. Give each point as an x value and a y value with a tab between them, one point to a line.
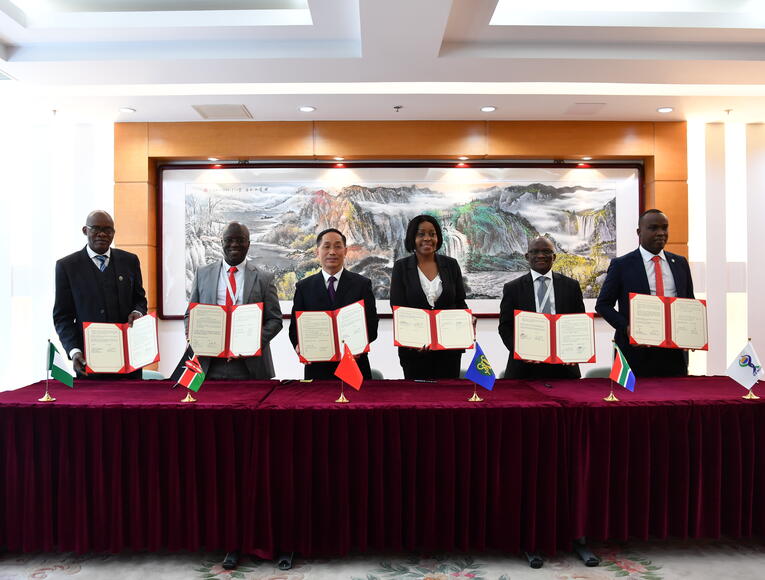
425	267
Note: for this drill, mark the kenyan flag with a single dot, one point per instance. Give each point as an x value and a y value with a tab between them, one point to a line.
192	377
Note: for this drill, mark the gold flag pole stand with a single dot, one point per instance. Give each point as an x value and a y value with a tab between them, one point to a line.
611	397
46	398
342	398
750	396
188	398
475	398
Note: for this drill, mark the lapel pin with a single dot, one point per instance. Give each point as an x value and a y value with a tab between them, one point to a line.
120	278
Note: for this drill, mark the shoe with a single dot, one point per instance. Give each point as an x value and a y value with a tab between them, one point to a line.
284	562
231	560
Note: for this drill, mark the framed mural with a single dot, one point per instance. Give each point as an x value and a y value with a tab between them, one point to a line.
488	214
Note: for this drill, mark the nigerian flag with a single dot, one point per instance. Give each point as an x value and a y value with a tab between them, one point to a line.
58	367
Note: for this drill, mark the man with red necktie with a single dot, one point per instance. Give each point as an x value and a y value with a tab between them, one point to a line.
235	280
648	270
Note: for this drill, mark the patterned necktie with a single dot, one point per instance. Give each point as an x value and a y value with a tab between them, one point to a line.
659	275
101	262
331	289
541	293
231	289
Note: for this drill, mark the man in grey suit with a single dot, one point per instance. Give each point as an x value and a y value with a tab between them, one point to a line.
234	280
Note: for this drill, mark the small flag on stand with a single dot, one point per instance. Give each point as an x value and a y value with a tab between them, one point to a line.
193	376
348	371
746	368
480	371
58	367
621	372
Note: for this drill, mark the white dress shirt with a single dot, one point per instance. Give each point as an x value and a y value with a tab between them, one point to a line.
238	278
93	255
534	277
432	288
669	280
337	278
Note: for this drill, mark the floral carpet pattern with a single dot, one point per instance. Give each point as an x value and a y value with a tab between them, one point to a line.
667	560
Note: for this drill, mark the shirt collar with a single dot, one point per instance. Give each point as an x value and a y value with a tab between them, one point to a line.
535	275
336	275
93	254
648	256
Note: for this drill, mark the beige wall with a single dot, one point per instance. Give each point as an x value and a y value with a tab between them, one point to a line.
139	147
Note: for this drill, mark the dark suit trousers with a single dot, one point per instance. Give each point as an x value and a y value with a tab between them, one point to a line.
652	361
430	364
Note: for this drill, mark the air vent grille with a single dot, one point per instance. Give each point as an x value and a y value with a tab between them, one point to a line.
222	112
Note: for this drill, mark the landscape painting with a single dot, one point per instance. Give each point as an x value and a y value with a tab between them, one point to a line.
488	215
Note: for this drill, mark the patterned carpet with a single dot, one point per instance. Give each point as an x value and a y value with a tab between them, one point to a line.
646	561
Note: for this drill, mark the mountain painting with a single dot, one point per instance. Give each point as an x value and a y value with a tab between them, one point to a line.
486	226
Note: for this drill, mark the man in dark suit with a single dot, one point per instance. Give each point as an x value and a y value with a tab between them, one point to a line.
541	290
638	272
330	289
96	284
235	280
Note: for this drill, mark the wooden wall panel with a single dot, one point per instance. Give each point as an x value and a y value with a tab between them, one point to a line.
135	213
671	152
569	139
148	257
401	139
231	140
131	152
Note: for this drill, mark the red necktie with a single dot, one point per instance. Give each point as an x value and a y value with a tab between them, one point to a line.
659	276
231	287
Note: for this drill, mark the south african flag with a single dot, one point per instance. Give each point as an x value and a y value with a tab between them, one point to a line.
621	371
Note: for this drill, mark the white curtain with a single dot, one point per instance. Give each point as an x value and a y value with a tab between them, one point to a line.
53	173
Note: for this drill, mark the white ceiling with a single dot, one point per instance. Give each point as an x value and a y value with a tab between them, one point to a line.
356	59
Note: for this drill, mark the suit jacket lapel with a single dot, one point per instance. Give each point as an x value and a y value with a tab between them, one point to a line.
343	285
318	290
639	267
115	263
527	299
414	280
250	275
209	286
446	282
680	286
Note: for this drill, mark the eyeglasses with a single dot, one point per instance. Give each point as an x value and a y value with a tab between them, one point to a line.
108	230
541	252
235	240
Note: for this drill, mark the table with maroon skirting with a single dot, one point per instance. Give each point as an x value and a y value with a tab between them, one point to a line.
264	467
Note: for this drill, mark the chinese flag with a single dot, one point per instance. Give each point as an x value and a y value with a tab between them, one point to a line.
348	370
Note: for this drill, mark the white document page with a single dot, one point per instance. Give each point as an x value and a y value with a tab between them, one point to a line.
411	327
207	329
688	319
316	336
647	320
104	348
532	336
574	338
246	326
352	328
142	341
454	329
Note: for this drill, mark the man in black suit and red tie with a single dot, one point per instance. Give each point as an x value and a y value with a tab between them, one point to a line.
332	288
541	290
647	270
96	284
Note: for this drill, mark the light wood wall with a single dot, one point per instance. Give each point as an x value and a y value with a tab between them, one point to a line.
139	147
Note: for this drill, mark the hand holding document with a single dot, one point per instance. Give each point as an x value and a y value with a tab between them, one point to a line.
554	338
322	332
120	348
225	331
668	322
434	329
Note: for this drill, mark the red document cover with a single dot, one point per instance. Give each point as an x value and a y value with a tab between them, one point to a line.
555	321
333	315
229	312
436	341
672	336
123	330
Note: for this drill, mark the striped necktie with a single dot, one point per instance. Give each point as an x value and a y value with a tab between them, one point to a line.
101	261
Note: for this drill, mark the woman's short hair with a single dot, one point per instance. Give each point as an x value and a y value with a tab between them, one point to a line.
414	224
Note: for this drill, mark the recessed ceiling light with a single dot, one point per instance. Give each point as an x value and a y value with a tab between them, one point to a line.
664	110
339	158
127	110
339	165
306	109
212	159
586	158
463	157
489	109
